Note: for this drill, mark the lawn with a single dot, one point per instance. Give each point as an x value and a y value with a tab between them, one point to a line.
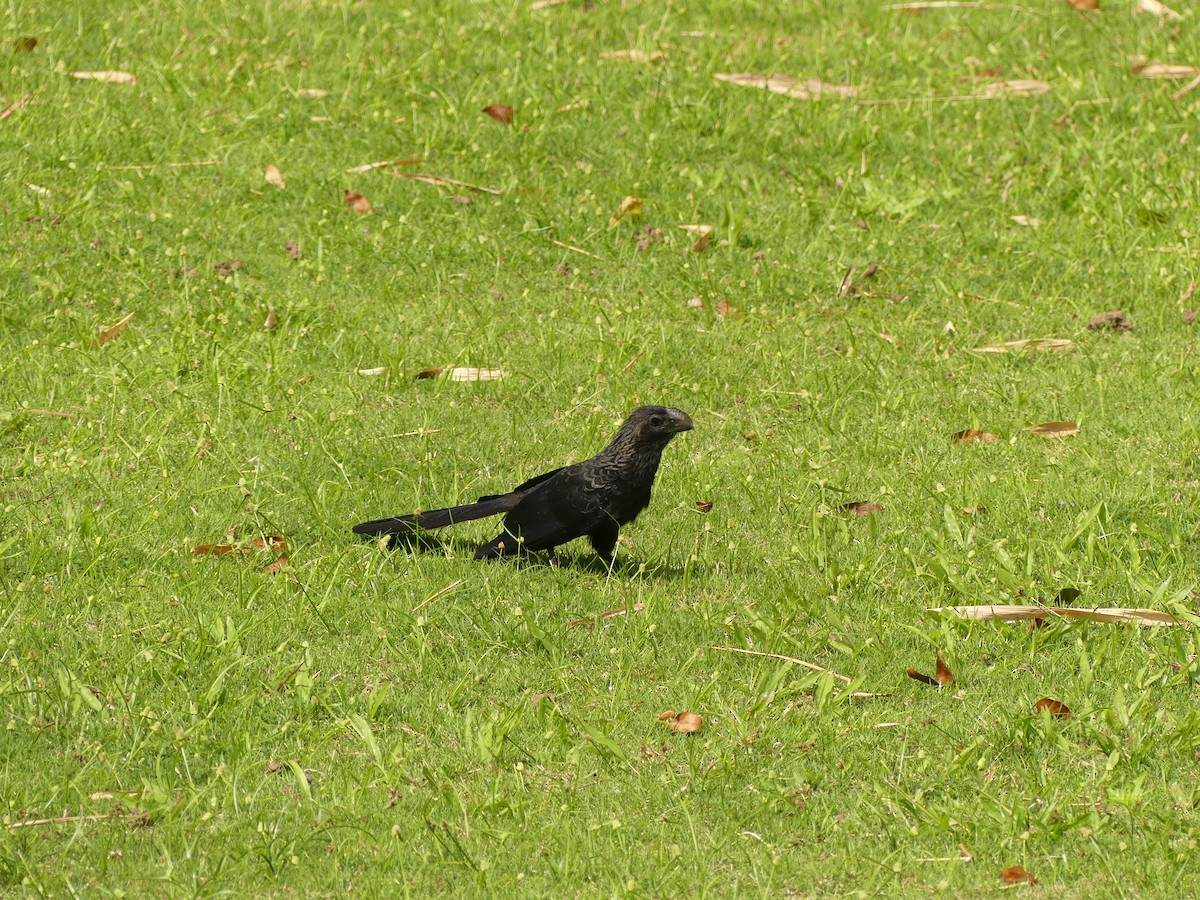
202	332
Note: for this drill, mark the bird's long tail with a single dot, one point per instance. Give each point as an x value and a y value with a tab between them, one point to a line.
440	518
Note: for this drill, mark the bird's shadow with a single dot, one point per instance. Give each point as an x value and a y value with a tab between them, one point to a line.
583	562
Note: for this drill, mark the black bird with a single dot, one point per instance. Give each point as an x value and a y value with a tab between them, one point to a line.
593	498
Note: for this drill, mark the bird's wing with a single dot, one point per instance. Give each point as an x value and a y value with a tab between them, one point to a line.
561	506
525	485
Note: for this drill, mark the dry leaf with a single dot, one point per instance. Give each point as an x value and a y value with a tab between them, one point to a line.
313	93
24	44
545	4
104	335
293	249
1056	709
724	309
431	372
1164	70
684	722
15	107
705	506
227	268
501	112
271	320
274	176
357	202
1084	5
1189	317
1019	87
1157	9
974	510
607	614
1114	319
377	370
703	236
636	56
971	436
444	182
1029	221
385	164
630	206
650	235
110	77
1054	429
810	89
1017	875
1058	344
38	189
696	303
1114	615
861	508
471	374
941	678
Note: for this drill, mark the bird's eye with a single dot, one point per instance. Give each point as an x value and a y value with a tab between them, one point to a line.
656	421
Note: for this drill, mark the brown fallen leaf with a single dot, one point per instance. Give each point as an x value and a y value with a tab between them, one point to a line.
472	374
313	93
501	112
1055	708
271	320
974	510
1028	344
430	372
971	436
357	202
1084	5
941	678
1018	87
607	614
705	506
1017	875
810	89
444	182
634	56
385	164
104	335
1054	429
1028	221
1157	9
227	268
293	250
860	508
1164	70
649	236
110	77
1114	319
1189	317
274	176
703	234
683	722
1014	613
630	206
24	44
724	309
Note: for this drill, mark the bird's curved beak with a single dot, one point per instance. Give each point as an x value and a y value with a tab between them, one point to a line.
680	421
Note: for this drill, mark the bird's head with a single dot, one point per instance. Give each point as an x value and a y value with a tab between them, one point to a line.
657	424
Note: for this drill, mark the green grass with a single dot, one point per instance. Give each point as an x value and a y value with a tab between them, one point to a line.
319	734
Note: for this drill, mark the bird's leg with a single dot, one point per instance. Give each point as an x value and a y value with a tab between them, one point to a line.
604	542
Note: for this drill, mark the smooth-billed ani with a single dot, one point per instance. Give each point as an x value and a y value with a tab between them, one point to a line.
593	498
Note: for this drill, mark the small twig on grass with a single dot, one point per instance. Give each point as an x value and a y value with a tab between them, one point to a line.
58	820
1187	88
447	589
791	659
576	250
